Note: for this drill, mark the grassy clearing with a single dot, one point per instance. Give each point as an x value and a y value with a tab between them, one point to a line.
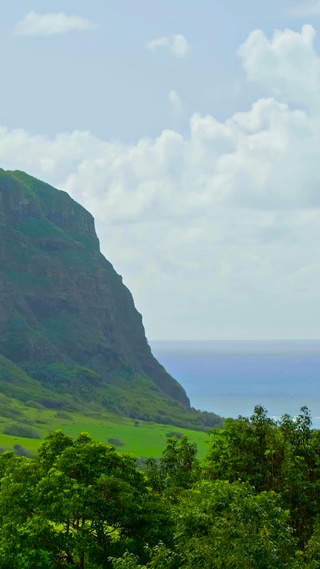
148	439
139	438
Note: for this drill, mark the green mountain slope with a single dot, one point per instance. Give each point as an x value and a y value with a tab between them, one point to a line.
67	320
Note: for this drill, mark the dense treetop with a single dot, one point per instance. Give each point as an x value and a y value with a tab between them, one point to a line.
252	504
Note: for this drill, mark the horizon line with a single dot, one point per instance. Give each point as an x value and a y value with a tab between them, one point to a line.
241	340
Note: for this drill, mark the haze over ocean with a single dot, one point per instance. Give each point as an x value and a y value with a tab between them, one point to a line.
231	377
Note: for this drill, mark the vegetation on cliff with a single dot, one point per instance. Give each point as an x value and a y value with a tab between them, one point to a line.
70	335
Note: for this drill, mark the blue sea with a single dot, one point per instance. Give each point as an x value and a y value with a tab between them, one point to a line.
231	377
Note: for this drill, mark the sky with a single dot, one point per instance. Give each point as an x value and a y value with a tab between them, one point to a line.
190	129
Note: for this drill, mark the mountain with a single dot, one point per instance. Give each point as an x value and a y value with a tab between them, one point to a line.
67	321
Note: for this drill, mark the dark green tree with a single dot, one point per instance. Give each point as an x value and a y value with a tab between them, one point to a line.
222	525
178	467
248	449
78	502
272	456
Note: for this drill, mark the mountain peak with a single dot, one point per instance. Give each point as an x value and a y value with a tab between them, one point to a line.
69	321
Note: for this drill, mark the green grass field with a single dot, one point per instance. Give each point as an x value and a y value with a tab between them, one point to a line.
137	437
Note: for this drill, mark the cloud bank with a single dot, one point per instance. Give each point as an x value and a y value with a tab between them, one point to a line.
227	215
50	24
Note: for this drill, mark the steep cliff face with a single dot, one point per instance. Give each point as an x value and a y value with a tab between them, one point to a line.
66	317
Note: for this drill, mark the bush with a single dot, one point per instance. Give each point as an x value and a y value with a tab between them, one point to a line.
116	442
51	403
174	434
10	413
20	450
35	405
21	431
64	416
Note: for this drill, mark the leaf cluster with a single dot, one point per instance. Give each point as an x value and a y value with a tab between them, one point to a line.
253	504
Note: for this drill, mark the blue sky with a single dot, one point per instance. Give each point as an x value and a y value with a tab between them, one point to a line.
109	83
192	137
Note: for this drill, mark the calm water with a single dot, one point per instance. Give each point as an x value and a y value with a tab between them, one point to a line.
230	378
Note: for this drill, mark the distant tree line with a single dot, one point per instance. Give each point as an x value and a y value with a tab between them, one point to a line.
254	503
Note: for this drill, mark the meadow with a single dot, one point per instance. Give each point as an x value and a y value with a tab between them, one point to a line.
139	438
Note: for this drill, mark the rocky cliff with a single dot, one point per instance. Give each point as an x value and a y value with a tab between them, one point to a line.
66	317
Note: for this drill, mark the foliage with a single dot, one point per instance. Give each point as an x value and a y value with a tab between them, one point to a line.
178	467
174	434
62	387
115	442
71	337
224	524
147	440
74	505
20	450
21	431
253	504
282	457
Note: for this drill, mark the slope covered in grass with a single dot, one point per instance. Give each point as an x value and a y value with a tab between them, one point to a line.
71	338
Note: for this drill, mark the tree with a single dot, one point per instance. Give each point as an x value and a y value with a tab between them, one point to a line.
222	525
78	502
248	449
226	525
178	467
278	456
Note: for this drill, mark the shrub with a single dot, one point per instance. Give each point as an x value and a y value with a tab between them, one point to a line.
174	434
116	442
51	403
64	416
10	413
21	431
20	450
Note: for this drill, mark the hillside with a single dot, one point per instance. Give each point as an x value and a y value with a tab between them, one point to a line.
70	334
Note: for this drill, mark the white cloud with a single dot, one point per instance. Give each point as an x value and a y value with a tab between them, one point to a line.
158	43
287	65
177	45
175	101
307	9
57	23
222	222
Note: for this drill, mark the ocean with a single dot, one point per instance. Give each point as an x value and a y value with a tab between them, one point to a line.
231	377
